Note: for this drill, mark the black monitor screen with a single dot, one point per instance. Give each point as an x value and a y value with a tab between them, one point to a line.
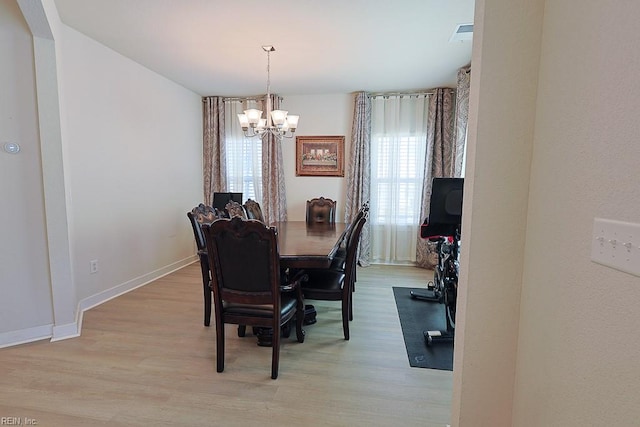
220	200
446	201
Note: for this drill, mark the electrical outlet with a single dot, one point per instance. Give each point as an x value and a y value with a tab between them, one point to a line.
616	244
93	266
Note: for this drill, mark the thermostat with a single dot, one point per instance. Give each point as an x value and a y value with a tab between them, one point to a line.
11	148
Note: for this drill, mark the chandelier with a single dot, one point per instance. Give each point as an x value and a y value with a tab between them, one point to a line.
276	122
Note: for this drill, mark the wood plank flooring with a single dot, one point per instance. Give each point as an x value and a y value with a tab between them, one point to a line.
145	358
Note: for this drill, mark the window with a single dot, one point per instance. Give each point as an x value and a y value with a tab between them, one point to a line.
243	156
397	178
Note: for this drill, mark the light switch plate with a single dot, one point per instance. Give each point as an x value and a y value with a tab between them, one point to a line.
616	244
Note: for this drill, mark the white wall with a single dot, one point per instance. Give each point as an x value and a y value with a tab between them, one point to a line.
320	115
25	302
547	337
134	144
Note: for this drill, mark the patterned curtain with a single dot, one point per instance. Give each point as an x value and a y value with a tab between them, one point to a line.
213	153
439	161
462	118
274	197
358	174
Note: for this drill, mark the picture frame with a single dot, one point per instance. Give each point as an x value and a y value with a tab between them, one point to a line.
320	155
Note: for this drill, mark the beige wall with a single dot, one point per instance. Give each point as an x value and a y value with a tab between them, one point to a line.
501	123
578	346
549	337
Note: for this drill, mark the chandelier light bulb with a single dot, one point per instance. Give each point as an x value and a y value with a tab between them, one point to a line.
279	117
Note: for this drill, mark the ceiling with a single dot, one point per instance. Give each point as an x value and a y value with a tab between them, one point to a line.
213	47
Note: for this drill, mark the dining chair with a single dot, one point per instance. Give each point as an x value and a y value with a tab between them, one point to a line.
321	211
335	284
234	209
246	283
253	210
199	215
340	257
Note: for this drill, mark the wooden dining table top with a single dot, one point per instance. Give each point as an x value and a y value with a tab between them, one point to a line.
303	245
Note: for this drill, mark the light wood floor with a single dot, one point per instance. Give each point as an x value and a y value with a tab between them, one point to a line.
145	358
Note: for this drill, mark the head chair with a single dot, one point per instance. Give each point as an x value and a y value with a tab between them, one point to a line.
321	210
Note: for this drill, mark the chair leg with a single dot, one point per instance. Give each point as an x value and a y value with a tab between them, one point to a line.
353	282
275	353
219	345
207	307
300	315
299	323
345	317
207	294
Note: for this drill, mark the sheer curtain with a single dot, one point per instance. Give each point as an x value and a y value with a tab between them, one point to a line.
243	159
398	150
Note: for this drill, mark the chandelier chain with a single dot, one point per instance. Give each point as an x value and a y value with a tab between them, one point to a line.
268	73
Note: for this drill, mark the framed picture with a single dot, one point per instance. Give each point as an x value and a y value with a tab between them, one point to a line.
319	155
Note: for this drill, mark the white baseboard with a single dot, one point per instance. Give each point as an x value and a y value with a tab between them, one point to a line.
132	284
72	330
24	336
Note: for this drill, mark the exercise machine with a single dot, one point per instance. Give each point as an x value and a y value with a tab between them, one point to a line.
442	227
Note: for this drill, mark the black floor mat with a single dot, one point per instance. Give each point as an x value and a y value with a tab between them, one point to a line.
417	316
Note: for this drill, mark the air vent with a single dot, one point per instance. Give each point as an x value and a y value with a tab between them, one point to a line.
462	32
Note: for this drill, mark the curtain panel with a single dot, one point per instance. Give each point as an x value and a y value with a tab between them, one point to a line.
448	134
274	196
439	159
213	152
462	118
358	173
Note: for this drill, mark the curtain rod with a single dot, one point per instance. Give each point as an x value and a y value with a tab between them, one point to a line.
238	98
246	98
373	95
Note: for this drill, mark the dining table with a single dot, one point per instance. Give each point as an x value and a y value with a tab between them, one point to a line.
308	245
304	245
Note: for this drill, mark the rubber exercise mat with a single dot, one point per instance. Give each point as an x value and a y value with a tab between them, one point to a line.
417	316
